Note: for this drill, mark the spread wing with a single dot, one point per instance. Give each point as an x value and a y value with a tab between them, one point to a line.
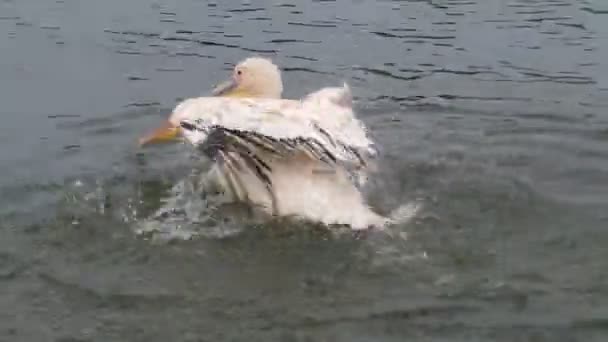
277	127
240	131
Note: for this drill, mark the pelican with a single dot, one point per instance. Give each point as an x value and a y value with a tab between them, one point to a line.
302	158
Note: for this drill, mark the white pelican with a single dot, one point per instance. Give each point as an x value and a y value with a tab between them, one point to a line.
289	157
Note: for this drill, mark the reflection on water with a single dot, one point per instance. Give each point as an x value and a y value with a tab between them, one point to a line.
492	113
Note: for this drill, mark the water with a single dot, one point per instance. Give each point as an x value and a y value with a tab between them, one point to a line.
492	113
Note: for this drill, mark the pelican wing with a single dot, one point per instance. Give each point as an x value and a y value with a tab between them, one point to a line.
278	127
331	108
243	133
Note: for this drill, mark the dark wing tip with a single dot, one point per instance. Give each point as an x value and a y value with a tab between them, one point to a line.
187	126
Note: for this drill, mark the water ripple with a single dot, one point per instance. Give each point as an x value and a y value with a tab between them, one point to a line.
311	24
492	113
243	10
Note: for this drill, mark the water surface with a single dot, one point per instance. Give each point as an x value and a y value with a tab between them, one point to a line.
491	113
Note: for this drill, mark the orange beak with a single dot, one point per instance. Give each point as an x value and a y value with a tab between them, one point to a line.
230	88
224	88
167	132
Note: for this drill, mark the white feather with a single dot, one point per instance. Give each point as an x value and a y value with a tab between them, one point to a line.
300	184
320	118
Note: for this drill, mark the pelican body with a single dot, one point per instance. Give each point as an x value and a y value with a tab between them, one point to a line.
302	158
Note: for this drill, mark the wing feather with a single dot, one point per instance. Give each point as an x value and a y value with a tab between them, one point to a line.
321	126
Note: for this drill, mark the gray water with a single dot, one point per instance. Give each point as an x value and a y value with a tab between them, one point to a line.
491	113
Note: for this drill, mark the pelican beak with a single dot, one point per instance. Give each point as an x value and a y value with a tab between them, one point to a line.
229	88
167	132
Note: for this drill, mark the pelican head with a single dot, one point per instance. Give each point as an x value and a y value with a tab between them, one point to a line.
252	77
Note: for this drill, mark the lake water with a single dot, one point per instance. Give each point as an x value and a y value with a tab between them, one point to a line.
491	113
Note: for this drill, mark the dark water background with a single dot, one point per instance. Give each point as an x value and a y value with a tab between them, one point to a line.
492	113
